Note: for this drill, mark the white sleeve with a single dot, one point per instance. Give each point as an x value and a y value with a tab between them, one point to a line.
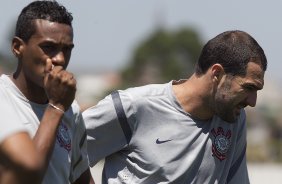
104	133
10	121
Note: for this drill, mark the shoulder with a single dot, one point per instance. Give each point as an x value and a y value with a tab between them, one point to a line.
150	91
11	122
6	99
3	87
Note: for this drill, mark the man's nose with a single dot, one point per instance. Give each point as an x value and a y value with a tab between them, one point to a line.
252	99
59	59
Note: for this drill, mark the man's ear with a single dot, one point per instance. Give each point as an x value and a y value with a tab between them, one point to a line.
217	72
17	46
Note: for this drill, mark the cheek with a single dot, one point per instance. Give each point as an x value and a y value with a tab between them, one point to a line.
224	94
35	57
233	94
33	66
227	98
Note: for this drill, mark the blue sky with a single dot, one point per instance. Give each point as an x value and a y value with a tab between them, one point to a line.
107	31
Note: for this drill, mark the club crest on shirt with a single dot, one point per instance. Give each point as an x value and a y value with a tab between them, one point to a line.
63	137
221	142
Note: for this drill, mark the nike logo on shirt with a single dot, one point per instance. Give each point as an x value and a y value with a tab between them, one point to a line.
158	141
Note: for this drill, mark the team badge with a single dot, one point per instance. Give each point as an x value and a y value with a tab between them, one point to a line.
221	142
63	137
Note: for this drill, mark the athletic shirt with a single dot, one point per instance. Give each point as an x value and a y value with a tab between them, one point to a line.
10	122
69	157
167	144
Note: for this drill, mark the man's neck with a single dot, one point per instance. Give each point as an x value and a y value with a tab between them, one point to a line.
193	96
30	90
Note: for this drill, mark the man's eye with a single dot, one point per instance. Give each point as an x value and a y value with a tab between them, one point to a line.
249	88
47	47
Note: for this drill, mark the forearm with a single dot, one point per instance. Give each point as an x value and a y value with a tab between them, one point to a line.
45	136
20	176
19	160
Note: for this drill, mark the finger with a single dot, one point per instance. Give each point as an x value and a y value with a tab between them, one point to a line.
70	76
47	69
49	66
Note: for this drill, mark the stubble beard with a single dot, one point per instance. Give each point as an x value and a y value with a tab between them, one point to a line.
224	105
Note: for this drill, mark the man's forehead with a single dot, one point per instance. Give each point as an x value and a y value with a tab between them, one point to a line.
254	70
46	29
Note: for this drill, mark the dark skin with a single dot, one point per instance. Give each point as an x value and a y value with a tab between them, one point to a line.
42	78
23	168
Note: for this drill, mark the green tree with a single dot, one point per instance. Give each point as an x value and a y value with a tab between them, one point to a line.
163	56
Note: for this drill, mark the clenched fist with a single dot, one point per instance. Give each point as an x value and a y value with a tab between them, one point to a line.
59	85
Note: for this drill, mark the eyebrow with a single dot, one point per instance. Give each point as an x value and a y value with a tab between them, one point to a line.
51	42
252	85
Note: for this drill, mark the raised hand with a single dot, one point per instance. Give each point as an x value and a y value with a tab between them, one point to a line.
59	85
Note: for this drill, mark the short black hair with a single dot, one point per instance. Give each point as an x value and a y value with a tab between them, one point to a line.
233	50
46	10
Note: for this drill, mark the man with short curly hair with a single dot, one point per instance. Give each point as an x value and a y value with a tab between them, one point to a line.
43	91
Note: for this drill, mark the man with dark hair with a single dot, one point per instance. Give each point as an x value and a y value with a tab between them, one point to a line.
43	92
186	131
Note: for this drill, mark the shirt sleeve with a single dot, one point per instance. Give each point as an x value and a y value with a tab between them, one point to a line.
10	121
238	172
79	157
104	133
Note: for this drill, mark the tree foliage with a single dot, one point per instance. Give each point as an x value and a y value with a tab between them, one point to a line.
163	56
